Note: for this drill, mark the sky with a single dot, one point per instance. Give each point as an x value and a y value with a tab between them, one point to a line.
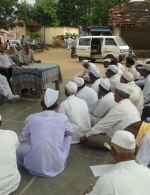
30	1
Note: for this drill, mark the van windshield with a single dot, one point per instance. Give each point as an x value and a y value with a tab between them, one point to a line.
120	41
85	41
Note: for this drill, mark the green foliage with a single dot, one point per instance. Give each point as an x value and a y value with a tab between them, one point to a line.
70	35
37	36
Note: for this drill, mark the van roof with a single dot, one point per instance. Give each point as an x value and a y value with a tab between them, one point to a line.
98	36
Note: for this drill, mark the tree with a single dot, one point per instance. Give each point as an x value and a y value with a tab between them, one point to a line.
44	13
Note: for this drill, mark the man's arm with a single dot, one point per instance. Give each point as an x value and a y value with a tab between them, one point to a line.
26	131
62	108
83	73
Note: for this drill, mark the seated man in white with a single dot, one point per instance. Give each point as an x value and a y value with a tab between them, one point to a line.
87	67
86	93
113	76
141	131
105	102
130	64
137	96
95	79
5	89
50	134
126	177
9	174
119	117
77	111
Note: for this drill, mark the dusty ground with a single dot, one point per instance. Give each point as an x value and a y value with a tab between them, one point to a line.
69	67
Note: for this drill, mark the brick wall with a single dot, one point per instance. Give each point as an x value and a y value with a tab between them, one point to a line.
138	38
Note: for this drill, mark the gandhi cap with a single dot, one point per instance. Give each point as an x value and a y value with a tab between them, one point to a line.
128	76
79	81
124	87
95	71
50	97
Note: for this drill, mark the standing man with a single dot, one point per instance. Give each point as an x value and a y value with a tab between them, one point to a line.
76	111
73	47
27	54
22	40
69	40
50	134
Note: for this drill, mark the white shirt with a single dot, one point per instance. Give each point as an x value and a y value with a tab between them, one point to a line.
121	67
102	107
143	155
137	97
146	90
113	81
89	96
95	85
134	72
77	111
9	174
118	118
125	178
86	71
5	60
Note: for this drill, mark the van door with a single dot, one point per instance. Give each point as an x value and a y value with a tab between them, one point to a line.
83	48
110	47
96	45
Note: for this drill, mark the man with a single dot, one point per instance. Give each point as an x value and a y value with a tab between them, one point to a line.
6	62
130	64
73	47
106	62
126	177
141	80
27	54
77	112
50	134
141	131
119	117
9	174
114	61
5	89
87	67
95	78
137	96
69	40
113	76
86	93
105	102
22	40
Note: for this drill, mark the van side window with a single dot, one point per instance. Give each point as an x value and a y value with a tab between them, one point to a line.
110	41
83	41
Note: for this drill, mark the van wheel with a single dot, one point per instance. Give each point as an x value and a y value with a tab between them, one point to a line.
109	56
93	60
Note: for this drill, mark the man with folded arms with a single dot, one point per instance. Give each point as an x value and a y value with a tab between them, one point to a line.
126	177
50	135
119	117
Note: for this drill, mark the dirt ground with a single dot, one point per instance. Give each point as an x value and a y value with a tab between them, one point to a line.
69	67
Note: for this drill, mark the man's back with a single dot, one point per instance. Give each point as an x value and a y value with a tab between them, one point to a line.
50	135
125	178
9	174
77	112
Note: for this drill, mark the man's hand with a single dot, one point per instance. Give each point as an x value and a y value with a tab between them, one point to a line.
89	189
14	65
83	139
38	61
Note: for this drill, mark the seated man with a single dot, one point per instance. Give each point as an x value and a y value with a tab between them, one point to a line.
126	177
130	64
141	80
5	89
95	79
119	117
113	76
141	131
77	111
27	54
86	93
50	135
105	102
9	174
87	67
137	96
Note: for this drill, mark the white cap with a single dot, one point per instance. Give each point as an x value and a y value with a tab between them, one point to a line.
107	60
138	63
50	97
128	76
145	67
105	83
0	117
124	139
113	68
71	87
124	87
148	60
84	62
79	81
120	72
95	71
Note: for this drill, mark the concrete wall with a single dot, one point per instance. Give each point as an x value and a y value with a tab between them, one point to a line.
19	31
138	38
54	31
116	31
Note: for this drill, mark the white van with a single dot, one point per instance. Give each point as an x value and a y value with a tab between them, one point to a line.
96	47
